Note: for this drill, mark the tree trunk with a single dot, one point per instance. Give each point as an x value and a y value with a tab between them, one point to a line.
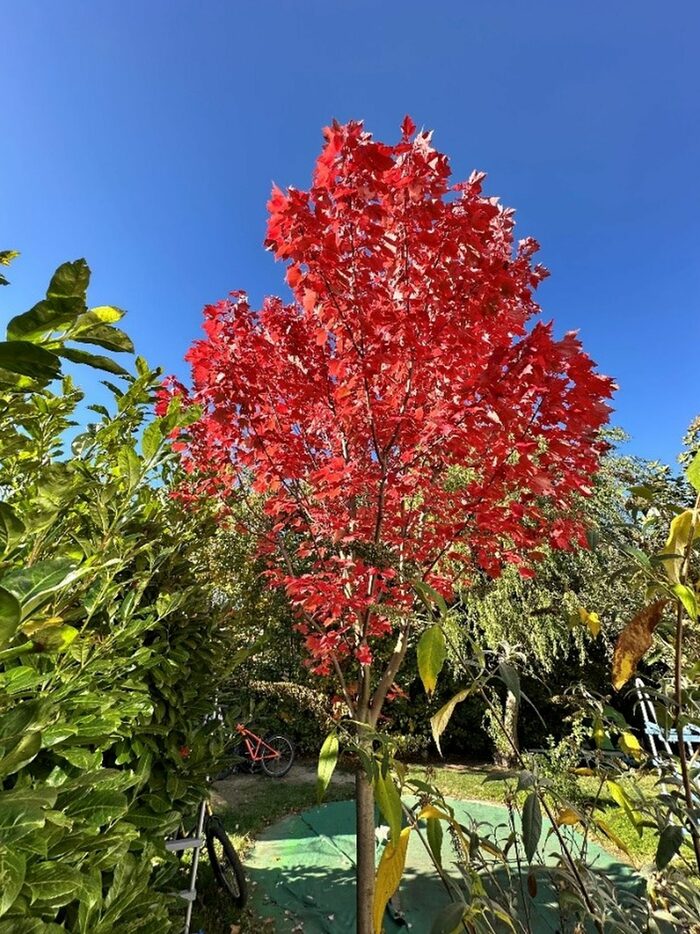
509	744
365	850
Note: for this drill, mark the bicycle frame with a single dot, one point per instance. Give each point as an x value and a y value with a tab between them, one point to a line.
255	745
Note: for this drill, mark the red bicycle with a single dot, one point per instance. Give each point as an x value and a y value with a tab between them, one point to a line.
275	754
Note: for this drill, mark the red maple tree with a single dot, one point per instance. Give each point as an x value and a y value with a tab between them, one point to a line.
404	415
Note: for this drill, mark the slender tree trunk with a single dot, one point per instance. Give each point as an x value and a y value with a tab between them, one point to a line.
365	850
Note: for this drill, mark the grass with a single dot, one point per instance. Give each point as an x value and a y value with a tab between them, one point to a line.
468	783
262	801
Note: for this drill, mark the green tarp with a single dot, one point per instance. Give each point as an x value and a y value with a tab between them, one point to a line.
303	870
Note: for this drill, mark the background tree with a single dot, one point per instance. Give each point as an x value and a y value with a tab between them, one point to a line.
403	403
549	622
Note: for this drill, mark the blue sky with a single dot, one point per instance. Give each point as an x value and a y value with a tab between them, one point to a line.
145	137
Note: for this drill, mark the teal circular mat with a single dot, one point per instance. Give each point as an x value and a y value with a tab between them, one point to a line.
303	872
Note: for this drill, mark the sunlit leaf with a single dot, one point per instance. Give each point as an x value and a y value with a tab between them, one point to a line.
568	817
389	801
431	654
327	761
590	620
682	528
688	599
693	472
389	874
629	744
439	721
619	796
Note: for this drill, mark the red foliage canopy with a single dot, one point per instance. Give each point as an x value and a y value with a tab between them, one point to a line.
403	412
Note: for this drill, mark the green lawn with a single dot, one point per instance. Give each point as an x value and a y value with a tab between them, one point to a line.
468	782
259	801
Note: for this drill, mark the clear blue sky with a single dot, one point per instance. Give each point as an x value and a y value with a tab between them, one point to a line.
145	134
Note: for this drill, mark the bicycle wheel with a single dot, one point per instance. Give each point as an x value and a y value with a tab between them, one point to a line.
282	763
227	867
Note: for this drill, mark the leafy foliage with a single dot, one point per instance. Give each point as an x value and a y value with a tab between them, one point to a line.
406	382
107	640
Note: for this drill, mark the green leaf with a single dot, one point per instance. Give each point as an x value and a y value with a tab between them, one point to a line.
532	825
53	884
21	716
693	472
50	314
97	361
434	834
432	653
151	440
10	614
430	597
688	599
389	801
11	527
439	721
6	257
617	793
35	585
327	761
52	637
13	866
102	314
510	678
670	841
70	279
129	465
449	919
98	807
28	359
21	753
104	335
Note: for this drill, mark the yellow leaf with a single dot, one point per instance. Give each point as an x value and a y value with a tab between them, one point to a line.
591	620
634	641
389	874
568	816
629	743
439	721
599	734
617	793
431	811
682	527
611	835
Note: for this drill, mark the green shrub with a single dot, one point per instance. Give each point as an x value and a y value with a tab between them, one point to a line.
108	640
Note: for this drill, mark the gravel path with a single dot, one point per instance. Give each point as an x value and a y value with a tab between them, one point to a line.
231	790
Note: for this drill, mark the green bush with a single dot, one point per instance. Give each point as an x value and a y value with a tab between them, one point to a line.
108	639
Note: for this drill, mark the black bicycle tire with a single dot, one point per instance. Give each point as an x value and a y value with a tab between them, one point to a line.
240	896
270	741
